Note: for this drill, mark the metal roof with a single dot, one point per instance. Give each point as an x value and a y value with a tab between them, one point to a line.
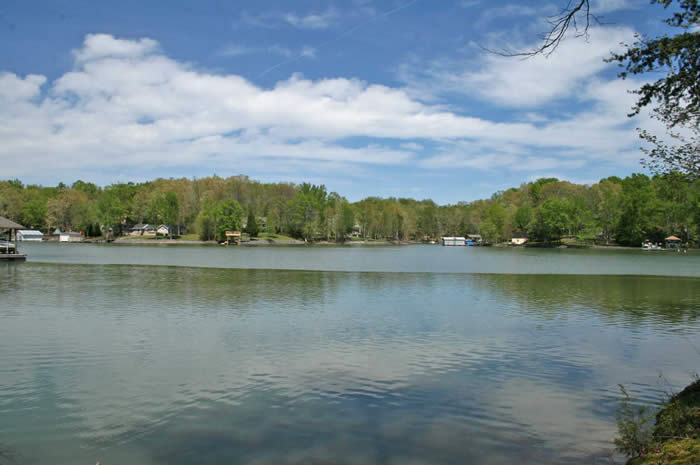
8	224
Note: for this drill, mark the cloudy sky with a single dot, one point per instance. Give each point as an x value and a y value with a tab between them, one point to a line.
370	97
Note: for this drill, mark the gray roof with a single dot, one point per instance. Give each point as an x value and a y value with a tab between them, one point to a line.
8	224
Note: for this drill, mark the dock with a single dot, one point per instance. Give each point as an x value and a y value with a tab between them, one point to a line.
9	251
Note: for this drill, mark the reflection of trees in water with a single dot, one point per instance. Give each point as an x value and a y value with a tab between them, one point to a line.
636	300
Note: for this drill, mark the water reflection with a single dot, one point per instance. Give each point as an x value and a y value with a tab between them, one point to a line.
145	365
671	302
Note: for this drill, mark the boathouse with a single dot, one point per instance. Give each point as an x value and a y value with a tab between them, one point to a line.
29	235
673	242
70	237
233	237
8	240
454	241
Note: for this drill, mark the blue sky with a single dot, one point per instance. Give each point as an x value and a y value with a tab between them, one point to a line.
370	97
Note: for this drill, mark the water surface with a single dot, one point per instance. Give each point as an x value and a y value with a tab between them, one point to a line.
181	365
413	258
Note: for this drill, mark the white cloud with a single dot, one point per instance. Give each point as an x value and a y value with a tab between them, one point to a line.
128	108
98	46
235	50
518	82
321	20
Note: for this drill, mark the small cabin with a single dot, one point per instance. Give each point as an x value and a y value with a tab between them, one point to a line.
454	241
233	237
519	240
30	235
673	242
70	237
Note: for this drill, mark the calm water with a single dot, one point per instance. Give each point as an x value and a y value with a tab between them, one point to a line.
183	365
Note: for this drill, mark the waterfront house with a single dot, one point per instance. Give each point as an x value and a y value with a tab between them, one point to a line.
30	235
163	230
454	241
519	240
142	229
672	242
70	236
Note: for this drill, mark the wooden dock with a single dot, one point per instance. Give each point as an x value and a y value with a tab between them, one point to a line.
8	247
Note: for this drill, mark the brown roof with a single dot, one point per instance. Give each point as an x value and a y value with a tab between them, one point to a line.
8	224
673	238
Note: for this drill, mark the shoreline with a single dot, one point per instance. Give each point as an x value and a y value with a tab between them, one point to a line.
361	243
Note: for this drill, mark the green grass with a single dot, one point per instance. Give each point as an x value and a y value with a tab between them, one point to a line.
274	237
137	238
678	452
189	237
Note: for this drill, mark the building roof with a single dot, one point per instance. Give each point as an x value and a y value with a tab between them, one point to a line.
9	224
30	232
673	238
233	233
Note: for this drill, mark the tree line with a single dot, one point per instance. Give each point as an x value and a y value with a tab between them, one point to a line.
615	210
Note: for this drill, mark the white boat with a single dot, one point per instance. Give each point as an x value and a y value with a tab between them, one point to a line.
647	245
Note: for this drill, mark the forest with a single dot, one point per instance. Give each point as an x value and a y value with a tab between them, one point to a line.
613	211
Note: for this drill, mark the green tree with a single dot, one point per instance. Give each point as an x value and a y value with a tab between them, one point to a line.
522	219
229	214
552	220
251	225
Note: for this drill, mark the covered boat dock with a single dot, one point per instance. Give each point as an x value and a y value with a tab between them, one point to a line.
8	240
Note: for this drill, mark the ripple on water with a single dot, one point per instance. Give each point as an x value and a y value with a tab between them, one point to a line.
179	365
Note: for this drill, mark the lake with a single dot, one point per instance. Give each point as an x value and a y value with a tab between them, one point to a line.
147	355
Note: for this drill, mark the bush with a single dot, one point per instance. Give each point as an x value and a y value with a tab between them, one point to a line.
635	425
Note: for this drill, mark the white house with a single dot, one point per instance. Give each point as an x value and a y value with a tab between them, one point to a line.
163	230
70	237
30	235
143	230
519	240
454	241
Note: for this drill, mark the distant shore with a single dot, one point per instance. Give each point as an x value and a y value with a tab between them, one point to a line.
295	242
251	243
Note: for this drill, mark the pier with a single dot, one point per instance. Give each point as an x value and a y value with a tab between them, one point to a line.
8	246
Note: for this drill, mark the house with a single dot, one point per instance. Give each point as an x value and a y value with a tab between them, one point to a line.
70	237
163	230
673	242
454	241
518	240
30	235
233	237
356	230
142	230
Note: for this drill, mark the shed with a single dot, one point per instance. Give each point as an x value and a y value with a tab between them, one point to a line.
70	237
30	235
673	242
